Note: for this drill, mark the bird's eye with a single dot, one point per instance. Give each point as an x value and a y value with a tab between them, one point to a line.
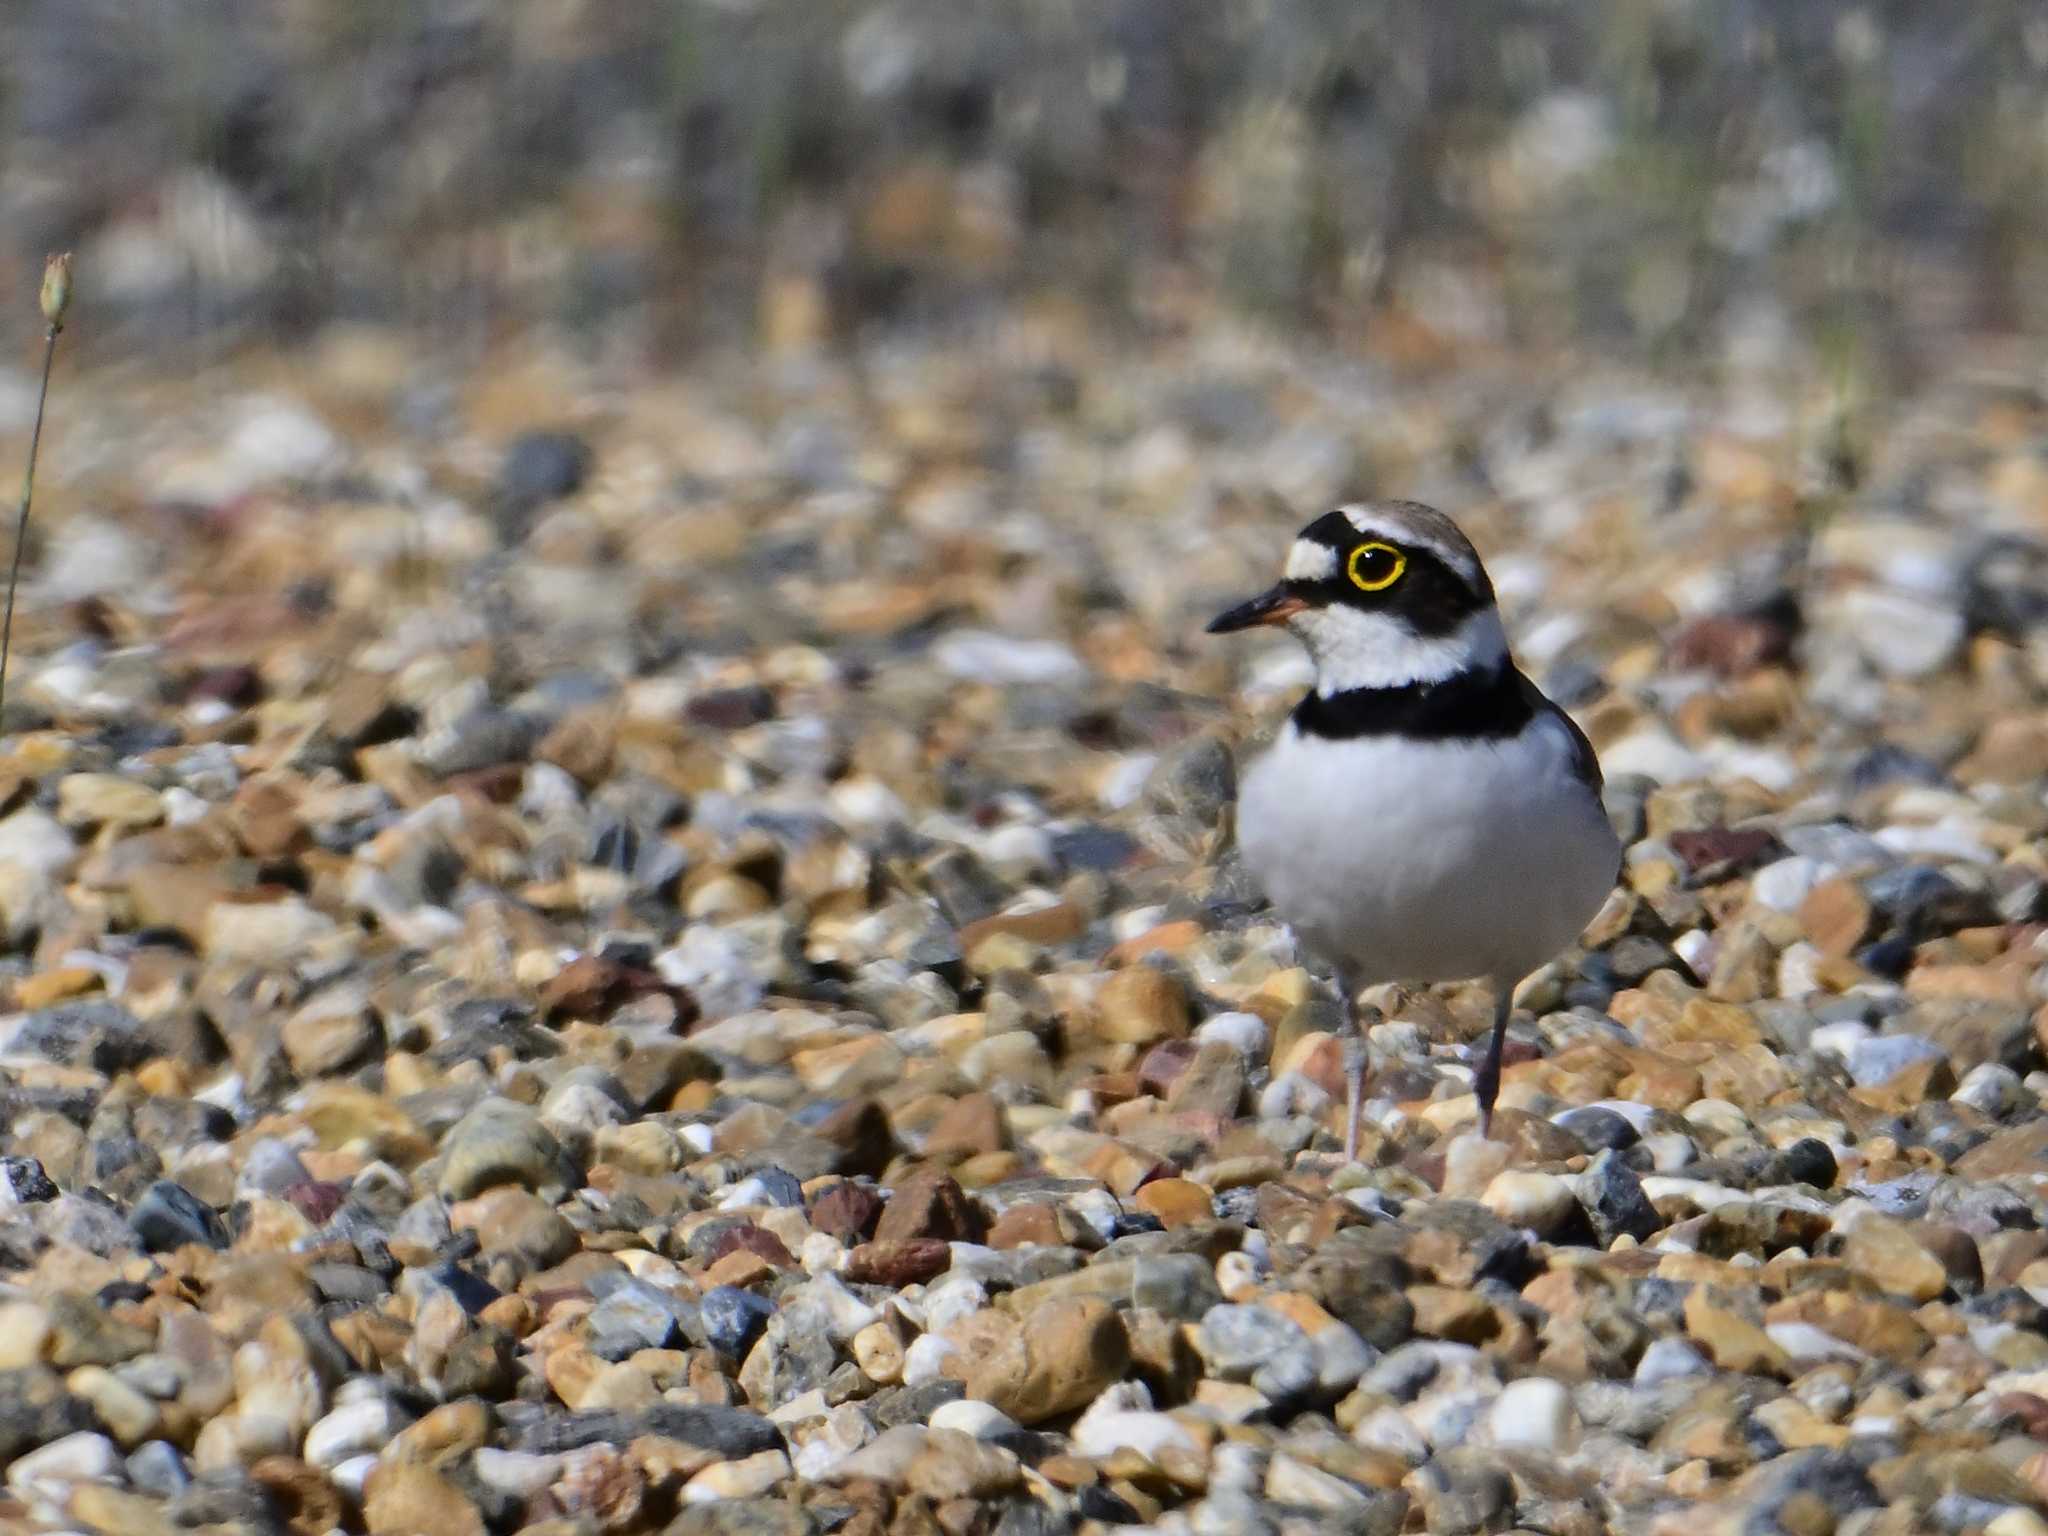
1375	567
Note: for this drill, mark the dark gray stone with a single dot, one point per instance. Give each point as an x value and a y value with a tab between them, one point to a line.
26	1181
541	467
1464	1493
35	1409
169	1216
732	1319
1614	1201
913	1405
101	1035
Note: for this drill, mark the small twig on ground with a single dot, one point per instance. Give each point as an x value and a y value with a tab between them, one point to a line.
56	299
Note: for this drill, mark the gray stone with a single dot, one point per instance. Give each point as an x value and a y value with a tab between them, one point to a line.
1668	1358
35	1409
97	1034
169	1216
502	1142
156	1467
1234	1341
1883	1057
1614	1201
634	1316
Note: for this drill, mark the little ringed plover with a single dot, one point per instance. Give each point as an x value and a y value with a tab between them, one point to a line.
1426	814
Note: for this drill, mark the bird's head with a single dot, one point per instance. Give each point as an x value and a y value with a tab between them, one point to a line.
1382	594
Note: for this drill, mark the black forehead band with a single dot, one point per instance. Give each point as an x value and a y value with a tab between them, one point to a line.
1333	529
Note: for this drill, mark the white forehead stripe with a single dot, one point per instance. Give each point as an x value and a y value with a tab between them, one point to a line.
1310	561
1391	525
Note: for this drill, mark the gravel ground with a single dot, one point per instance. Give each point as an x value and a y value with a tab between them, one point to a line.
601	955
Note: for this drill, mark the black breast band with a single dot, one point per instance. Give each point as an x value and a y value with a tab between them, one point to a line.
1493	703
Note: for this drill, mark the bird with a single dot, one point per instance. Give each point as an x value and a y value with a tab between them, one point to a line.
1426	813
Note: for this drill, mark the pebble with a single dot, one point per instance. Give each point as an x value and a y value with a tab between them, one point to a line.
1542	1202
1535	1413
500	1142
682	965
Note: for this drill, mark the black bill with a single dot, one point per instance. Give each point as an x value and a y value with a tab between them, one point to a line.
1274	607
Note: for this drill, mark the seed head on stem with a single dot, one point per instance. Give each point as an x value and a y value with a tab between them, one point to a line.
56	302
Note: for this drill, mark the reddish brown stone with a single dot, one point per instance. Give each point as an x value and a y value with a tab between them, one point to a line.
582	988
931	1203
1730	646
1721	853
592	987
2030	1411
847	1210
910	1261
1163	1065
317	1200
755	1240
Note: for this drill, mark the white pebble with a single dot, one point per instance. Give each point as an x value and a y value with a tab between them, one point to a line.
1804	1342
926	1358
1991	1087
1799	969
1670	1151
1901	634
1839	1038
1785	883
1536	1413
845	1313
950	1300
1669	1357
1388	1429
519	1473
46	1472
1145	1431
1693	947
1245	1033
1020	848
751	1190
1542	1202
1717	1117
821	1254
981	656
352	1474
350	1431
1292	1093
973	1417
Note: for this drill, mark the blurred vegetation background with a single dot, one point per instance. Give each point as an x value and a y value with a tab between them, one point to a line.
1657	179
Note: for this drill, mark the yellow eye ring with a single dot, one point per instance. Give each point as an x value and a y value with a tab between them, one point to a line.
1377	580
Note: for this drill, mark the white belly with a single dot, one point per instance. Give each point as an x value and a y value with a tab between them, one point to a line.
1428	861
